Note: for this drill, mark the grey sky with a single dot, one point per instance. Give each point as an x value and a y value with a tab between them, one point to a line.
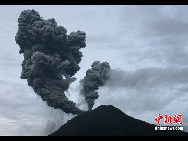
146	46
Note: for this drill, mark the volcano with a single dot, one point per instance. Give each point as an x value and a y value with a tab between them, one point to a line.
107	120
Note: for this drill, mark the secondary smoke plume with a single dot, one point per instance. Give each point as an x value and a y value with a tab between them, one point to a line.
51	58
95	77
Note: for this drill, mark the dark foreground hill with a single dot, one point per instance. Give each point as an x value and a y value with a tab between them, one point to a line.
110	121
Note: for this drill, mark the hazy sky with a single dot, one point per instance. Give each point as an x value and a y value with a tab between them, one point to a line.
146	46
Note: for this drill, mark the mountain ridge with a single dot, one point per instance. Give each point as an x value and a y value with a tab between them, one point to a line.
107	120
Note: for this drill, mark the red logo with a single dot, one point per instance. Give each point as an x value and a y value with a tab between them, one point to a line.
178	119
158	118
168	119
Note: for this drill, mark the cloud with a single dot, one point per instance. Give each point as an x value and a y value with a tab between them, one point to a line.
155	20
146	92
49	56
160	31
51	126
95	77
145	78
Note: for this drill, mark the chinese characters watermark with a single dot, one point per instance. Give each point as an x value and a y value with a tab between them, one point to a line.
168	119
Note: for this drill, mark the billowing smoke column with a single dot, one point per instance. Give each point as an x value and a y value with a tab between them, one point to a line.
95	77
51	58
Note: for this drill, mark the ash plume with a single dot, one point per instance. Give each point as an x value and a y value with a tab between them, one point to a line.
95	77
51	58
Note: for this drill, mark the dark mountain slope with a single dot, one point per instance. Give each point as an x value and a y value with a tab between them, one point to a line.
110	121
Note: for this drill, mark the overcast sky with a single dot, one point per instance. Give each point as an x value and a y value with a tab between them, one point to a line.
146	46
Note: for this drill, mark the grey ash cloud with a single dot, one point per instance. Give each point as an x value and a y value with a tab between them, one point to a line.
51	58
147	78
95	77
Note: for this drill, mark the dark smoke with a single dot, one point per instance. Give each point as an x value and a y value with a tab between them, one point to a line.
51	58
95	77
